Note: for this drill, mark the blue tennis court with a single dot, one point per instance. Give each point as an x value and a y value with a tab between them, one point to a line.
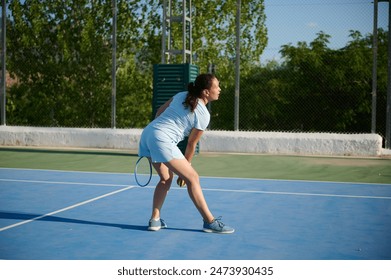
50	215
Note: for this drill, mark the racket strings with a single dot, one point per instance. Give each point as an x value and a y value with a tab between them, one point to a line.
143	171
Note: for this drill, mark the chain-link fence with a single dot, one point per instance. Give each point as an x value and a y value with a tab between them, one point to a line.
65	70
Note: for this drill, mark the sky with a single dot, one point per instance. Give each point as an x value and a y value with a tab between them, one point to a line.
292	21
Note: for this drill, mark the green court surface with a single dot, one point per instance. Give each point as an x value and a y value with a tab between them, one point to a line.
313	168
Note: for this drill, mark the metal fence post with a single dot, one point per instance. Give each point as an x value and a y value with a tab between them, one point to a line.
3	67
114	67
388	111
374	66
237	66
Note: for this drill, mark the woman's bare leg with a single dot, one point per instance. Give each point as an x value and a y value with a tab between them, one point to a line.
184	170
162	188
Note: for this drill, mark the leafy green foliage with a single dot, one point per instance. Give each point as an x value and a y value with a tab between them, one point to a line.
60	57
316	88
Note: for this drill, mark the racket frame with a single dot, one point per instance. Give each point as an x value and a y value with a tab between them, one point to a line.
150	171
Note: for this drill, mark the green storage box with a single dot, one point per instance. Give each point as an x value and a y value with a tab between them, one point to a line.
168	80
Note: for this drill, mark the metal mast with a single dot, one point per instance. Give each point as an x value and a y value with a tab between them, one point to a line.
169	20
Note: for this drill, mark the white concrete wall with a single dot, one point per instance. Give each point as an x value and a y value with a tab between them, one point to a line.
70	137
293	143
212	141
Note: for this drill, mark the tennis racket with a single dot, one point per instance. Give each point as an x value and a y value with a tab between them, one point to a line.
143	171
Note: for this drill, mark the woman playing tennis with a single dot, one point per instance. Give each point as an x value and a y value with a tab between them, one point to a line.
185	114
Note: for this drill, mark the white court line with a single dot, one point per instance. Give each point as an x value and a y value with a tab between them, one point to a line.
207	189
206	177
62	183
66	208
300	194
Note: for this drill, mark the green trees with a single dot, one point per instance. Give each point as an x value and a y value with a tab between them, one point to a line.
59	52
59	55
317	88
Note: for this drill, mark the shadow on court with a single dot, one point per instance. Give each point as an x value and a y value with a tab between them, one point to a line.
28	217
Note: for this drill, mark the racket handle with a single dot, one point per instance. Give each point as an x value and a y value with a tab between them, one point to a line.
180	182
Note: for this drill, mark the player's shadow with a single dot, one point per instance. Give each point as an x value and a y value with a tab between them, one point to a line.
49	218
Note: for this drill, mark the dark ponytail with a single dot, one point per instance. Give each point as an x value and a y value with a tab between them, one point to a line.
203	81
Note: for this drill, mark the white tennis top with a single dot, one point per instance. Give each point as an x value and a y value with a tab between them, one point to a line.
177	121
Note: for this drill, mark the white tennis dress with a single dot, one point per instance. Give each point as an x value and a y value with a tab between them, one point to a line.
159	138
